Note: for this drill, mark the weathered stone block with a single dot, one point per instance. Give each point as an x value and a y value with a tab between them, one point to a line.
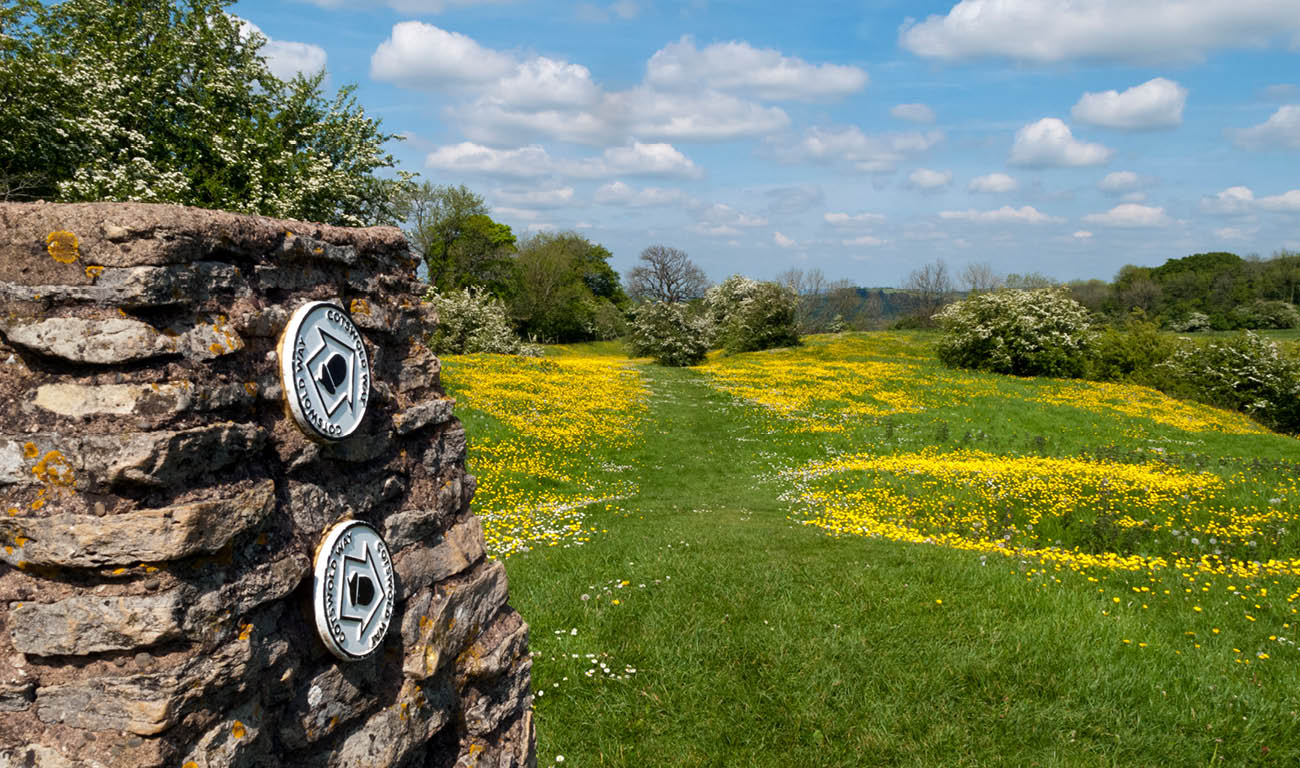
443	556
458	612
89	624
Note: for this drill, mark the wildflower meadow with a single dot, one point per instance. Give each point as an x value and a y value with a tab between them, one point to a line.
844	553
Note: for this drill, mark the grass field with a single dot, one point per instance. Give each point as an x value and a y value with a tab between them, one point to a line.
845	554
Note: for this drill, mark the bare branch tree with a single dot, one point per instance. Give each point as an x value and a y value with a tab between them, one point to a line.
980	278
929	286
666	274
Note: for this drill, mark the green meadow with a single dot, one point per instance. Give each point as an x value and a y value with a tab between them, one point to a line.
845	554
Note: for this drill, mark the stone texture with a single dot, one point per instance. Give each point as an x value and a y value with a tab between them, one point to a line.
146	535
162	510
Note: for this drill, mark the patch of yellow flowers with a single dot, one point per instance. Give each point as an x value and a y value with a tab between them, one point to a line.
562	419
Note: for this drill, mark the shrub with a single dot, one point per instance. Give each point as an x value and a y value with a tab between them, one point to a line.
1193	322
1265	314
668	333
471	321
604	320
1246	372
750	315
1025	333
1130	353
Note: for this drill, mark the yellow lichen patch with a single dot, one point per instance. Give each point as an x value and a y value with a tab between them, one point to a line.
54	469
30	450
216	348
13	511
360	307
251	388
237	730
94	271
62	246
190	764
245	631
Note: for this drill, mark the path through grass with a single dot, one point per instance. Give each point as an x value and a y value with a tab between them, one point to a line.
700	623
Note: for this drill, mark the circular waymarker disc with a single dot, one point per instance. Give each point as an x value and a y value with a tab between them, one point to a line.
352	590
324	371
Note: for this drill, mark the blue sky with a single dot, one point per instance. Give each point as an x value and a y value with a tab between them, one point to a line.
1067	137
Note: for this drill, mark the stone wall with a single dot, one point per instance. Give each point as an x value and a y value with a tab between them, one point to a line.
160	508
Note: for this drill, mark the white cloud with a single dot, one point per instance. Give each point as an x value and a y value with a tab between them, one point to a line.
544	82
782	240
285	59
864	240
540	197
1242	200
1049	142
1130	215
422	56
1118	181
1105	30
737	65
1026	213
721	213
619	193
1082	234
993	182
850	146
1280	131
915	113
506	212
530	161
1232	233
1157	103
712	230
853	219
926	178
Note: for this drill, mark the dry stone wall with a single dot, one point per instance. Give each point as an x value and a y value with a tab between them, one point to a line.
160	509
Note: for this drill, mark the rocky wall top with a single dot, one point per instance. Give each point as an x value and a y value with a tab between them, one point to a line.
160	508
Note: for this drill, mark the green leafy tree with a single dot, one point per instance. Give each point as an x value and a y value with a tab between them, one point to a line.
172	101
461	245
750	315
554	299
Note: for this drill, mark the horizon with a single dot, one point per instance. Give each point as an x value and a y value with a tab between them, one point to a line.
1067	141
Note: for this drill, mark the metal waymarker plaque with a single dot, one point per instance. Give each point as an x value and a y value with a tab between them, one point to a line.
352	590
324	371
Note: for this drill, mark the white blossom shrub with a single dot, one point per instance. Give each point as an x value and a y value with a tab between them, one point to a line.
1245	372
750	315
471	321
1192	323
669	333
1265	314
1024	333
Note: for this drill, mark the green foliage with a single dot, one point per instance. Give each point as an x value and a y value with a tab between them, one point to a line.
1245	372
1262	314
1130	353
461	245
172	102
472	321
1023	333
669	333
553	299
750	315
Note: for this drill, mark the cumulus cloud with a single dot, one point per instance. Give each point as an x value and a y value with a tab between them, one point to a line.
1082	234
285	59
533	160
1242	200
1232	233
839	219
1118	181
723	214
849	146
1130	215
506	212
535	197
993	182
422	56
864	240
1280	131
1103	30
1026	214
915	113
737	65
1049	142
782	240
619	193
1157	103
926	178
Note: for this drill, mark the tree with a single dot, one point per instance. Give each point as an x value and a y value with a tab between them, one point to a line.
980	278
461	245
553	299
930	286
666	274
171	101
749	315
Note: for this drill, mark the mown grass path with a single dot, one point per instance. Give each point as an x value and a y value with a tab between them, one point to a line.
759	641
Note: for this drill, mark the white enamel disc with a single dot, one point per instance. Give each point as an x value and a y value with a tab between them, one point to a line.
353	590
324	371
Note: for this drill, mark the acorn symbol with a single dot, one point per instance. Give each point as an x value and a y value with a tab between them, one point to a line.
332	373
